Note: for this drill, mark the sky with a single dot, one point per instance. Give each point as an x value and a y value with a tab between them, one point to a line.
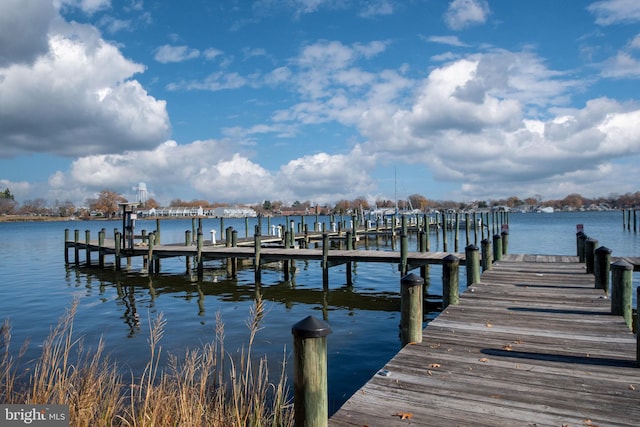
319	100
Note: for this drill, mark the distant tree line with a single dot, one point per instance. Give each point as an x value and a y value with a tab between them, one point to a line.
105	204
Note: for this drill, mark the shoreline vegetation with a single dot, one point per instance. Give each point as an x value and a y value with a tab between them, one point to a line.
205	387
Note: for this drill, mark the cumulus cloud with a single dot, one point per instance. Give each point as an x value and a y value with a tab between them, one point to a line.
609	12
23	30
217	171
465	13
77	97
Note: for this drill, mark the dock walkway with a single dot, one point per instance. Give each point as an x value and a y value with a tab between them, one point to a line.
533	344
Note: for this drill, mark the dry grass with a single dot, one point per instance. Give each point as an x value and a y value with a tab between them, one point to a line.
194	390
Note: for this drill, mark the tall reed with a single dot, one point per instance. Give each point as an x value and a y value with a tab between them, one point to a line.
194	390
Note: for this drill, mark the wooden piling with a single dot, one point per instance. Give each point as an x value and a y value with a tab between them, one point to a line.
152	243
487	258
101	255
187	242
621	290
66	247
199	256
76	247
497	247
582	239
257	244
411	302
117	243
602	267
325	259
311	404
472	264
87	250
404	252
444	232
450	280
590	246
504	235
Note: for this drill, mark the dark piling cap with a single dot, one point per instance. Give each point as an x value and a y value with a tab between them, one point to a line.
622	265
450	259
310	327
603	250
412	279
472	247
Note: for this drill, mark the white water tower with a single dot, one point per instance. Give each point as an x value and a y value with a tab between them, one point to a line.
142	192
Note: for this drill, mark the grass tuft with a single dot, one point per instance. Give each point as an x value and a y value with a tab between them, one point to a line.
194	390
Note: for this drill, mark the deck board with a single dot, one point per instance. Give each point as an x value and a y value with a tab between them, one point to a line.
533	344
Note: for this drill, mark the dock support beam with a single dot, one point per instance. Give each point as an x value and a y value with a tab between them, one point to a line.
411	302
487	259
472	264
602	268
621	290
450	280
311	402
497	247
589	254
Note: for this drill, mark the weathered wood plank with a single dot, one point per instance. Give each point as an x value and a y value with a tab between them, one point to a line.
532	345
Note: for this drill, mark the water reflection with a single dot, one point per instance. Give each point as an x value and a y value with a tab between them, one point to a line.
136	287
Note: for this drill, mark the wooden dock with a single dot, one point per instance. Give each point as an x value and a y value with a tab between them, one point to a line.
533	344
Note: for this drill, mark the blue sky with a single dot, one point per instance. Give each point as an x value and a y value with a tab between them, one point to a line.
319	100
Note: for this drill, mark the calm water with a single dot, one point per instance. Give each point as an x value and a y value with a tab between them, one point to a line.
36	288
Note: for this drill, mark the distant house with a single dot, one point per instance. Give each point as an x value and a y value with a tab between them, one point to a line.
233	212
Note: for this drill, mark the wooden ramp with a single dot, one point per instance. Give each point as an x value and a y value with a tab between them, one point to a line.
532	345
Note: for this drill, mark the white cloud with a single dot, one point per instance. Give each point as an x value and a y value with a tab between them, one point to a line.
609	12
448	40
623	65
376	8
77	98
24	26
465	13
167	53
217	171
87	6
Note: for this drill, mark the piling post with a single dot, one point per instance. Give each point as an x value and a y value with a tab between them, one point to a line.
199	257
411	301
582	238
497	247
579	244
234	244
450	282
152	242
76	249
444	232
505	241
621	286
157	232
457	231
589	254
602	268
101	234
257	243
404	253
325	260
117	244
187	242
310	400
487	258
87	249
350	245
472	264
66	247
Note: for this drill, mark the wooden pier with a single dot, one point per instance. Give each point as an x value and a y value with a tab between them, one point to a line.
532	344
